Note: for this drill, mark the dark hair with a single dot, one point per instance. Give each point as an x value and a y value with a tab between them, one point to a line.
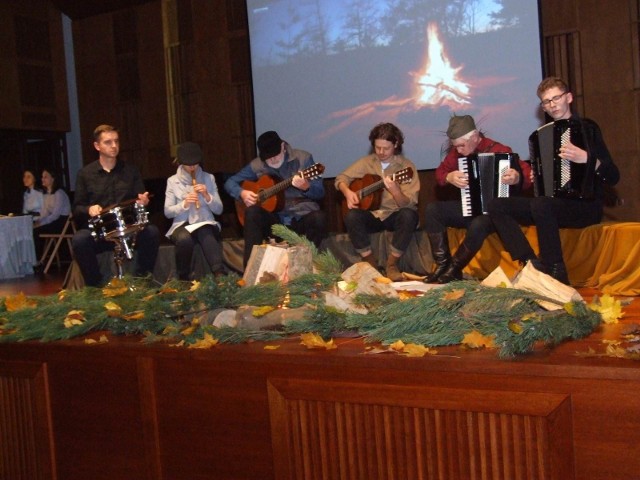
389	132
35	179
100	129
55	184
551	82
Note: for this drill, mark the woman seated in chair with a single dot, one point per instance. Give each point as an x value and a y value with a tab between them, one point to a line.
56	209
32	197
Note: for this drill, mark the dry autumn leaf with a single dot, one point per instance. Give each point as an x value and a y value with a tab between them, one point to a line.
313	340
130	317
113	309
415	350
207	342
475	339
271	347
74	317
18	302
116	287
454	294
609	308
165	290
91	341
262	311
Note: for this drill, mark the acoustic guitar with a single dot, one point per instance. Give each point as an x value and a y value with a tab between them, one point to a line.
270	190
369	189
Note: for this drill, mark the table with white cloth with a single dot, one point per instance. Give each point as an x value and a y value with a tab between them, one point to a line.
17	251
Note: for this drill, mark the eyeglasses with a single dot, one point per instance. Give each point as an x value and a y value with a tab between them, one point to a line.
556	99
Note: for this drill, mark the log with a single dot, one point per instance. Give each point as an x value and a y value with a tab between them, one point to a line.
278	262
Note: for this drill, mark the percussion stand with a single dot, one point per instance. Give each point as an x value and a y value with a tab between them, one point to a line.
123	250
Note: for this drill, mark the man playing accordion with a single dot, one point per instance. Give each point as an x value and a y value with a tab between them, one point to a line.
550	213
465	140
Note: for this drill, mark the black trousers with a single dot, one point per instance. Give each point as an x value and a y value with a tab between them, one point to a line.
258	223
440	215
549	215
360	224
86	249
208	236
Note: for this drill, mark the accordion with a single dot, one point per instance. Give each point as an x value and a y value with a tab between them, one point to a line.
554	176
484	171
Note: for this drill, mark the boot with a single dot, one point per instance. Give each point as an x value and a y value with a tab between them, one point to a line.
392	271
441	255
454	272
559	272
535	261
371	260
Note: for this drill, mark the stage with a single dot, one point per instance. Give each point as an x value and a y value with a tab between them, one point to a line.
126	410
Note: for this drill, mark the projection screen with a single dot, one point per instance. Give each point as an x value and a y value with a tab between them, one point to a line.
326	71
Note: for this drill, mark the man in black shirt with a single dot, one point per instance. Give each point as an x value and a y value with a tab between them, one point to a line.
102	184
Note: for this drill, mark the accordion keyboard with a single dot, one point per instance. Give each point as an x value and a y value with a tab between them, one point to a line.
465	193
565	165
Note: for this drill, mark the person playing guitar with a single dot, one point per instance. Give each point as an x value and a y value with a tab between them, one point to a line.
282	185
394	177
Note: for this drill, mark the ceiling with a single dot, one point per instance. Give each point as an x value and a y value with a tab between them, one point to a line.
76	9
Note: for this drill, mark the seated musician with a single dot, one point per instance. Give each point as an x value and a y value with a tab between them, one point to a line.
549	214
191	200
278	162
102	184
397	210
464	139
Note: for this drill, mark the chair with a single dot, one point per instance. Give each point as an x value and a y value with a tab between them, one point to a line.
53	243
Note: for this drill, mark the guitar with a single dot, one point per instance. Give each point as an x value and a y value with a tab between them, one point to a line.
369	189
270	190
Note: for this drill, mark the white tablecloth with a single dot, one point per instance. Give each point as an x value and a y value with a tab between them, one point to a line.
17	252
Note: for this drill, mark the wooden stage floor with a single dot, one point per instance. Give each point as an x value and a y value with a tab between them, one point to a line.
126	410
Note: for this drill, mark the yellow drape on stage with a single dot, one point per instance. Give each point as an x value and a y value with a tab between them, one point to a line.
604	256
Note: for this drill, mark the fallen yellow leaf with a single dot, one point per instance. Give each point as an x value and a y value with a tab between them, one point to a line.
168	290
313	340
475	339
18	302
207	342
113	309
454	294
397	345
261	311
271	347
74	317
382	280
91	341
415	350
609	308
139	315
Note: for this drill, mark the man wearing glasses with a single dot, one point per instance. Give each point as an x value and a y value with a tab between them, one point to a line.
550	213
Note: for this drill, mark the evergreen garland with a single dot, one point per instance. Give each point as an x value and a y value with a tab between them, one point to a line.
174	312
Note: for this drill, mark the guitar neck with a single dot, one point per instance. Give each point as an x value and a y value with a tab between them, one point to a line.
275	189
369	189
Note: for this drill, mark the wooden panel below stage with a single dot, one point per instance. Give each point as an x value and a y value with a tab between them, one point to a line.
124	410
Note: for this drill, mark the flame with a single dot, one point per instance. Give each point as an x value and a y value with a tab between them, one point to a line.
439	84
